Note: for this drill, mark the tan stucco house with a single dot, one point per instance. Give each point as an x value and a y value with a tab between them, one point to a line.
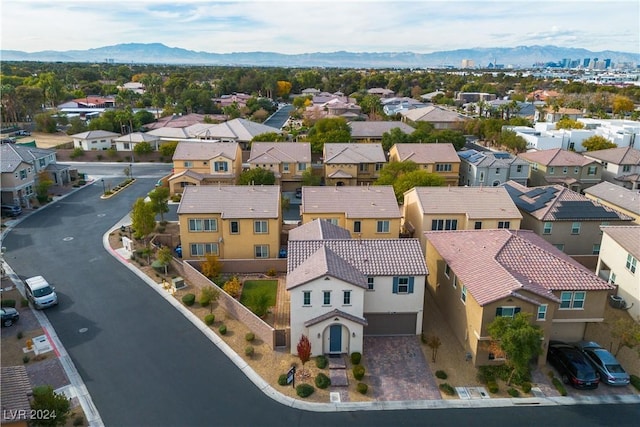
287	160
352	163
440	159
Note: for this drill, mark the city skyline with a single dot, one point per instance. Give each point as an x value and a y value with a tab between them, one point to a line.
320	26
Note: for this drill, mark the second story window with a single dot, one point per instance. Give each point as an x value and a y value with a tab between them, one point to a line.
363	167
507	311
260	227
572	300
234	227
519	168
403	285
592	170
565	170
188	164
463	294
504	224
357	226
285	167
302	166
220	167
477	225
626	168
306	298
443	167
202	224
382	227
575	228
548	226
542	312
631	263
326	297
346	297
370	283
552	170
444	224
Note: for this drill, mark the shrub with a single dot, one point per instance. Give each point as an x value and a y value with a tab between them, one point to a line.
358	372
248	351
282	379
635	381
222	329
204	300
8	303
209	319
355	358
304	390
272	272
513	392
25	359
232	287
321	361
441	374
447	389
249	336
485	374
78	421
19	335
559	386
526	386
322	381
77	152
493	387
362	388
189	299
24	302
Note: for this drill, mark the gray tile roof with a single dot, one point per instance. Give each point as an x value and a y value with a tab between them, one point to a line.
353	153
11	155
488	159
475	202
318	230
428	153
374	201
241	130
191	150
16	390
616	195
93	134
627	236
494	264
368	129
372	257
138	137
334	313
325	262
280	152
232	201
169	132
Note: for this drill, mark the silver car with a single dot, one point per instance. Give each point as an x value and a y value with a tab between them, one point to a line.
610	370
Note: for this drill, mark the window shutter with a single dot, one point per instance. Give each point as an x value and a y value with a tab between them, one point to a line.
395	285
516	311
499	311
411	284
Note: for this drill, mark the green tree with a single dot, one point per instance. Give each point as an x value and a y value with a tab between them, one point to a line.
143	219
567	123
142	148
310	179
392	170
168	148
419	178
328	130
77	126
159	201
257	176
454	137
42	186
269	137
211	267
394	136
45	123
517	340
165	256
597	142
622	105
512	141
627	332
56	405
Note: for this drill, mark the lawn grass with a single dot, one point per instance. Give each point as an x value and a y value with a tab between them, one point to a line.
255	287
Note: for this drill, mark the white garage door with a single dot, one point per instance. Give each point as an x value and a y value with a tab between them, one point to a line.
568	332
390	324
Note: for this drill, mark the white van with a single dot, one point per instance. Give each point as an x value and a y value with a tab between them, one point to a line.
40	293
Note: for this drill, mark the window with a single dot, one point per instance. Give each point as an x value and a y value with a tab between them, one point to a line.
370	283
552	170
188	164
220	167
346	297
447	270
363	167
200	224
379	166
572	300
481	176
592	170
444	224
444	167
542	312
126	146
497	171
596	249
626	168
565	170
285	167
612	278
463	294
504	224
23	174
403	285
234	227
519	168
382	227
575	228
260	227
201	249
454	282
576	170
261	251
559	246
477	225
534	166
306	298
507	311
548	226
357	226
631	263
326	297
302	166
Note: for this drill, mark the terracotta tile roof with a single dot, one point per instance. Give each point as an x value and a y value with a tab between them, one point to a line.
318	230
433	114
350	153
616	195
494	264
280	152
428	153
371	201
232	201
475	202
364	129
16	391
627	236
555	157
325	262
618	156
334	313
192	150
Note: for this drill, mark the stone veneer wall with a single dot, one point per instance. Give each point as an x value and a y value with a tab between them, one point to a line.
232	306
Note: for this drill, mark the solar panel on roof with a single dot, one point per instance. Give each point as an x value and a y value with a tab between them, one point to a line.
502	155
541	197
535	192
582	209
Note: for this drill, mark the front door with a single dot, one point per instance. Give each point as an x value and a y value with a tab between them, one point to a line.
335	339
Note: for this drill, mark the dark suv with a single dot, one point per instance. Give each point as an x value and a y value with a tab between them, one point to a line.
11	210
572	365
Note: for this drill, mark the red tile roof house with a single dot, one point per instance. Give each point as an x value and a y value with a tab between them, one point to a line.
477	275
343	289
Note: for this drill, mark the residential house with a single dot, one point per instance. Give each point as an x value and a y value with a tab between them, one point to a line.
457	208
333	105
440	159
16	391
618	264
566	219
343	289
176	121
381	92
94	140
368	212
241	131
205	163
562	167
521	109
479	275
553	114
352	163
622	132
90	101
620	165
169	134
129	142
287	160
240	99
369	131
466	97
230	221
439	117
21	165
616	197
544	136
393	106
489	168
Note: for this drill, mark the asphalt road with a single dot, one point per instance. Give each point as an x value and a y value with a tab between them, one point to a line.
146	365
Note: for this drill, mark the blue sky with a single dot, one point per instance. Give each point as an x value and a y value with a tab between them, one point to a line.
320	26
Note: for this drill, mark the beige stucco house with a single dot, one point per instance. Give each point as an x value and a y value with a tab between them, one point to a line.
440	159
352	163
616	197
287	160
620	165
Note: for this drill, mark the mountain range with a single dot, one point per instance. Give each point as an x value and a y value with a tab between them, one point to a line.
158	53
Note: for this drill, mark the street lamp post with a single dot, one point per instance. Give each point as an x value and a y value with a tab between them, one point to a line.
104	190
131	170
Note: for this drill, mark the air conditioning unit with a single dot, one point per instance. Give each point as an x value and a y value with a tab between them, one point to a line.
617	302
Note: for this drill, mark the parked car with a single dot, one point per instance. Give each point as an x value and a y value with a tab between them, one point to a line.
572	365
11	210
40	293
9	316
23	133
299	193
610	370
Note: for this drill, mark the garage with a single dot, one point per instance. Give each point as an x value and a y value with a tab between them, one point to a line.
390	324
568	331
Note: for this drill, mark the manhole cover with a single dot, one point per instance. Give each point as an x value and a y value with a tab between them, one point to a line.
67	239
83	330
101	215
